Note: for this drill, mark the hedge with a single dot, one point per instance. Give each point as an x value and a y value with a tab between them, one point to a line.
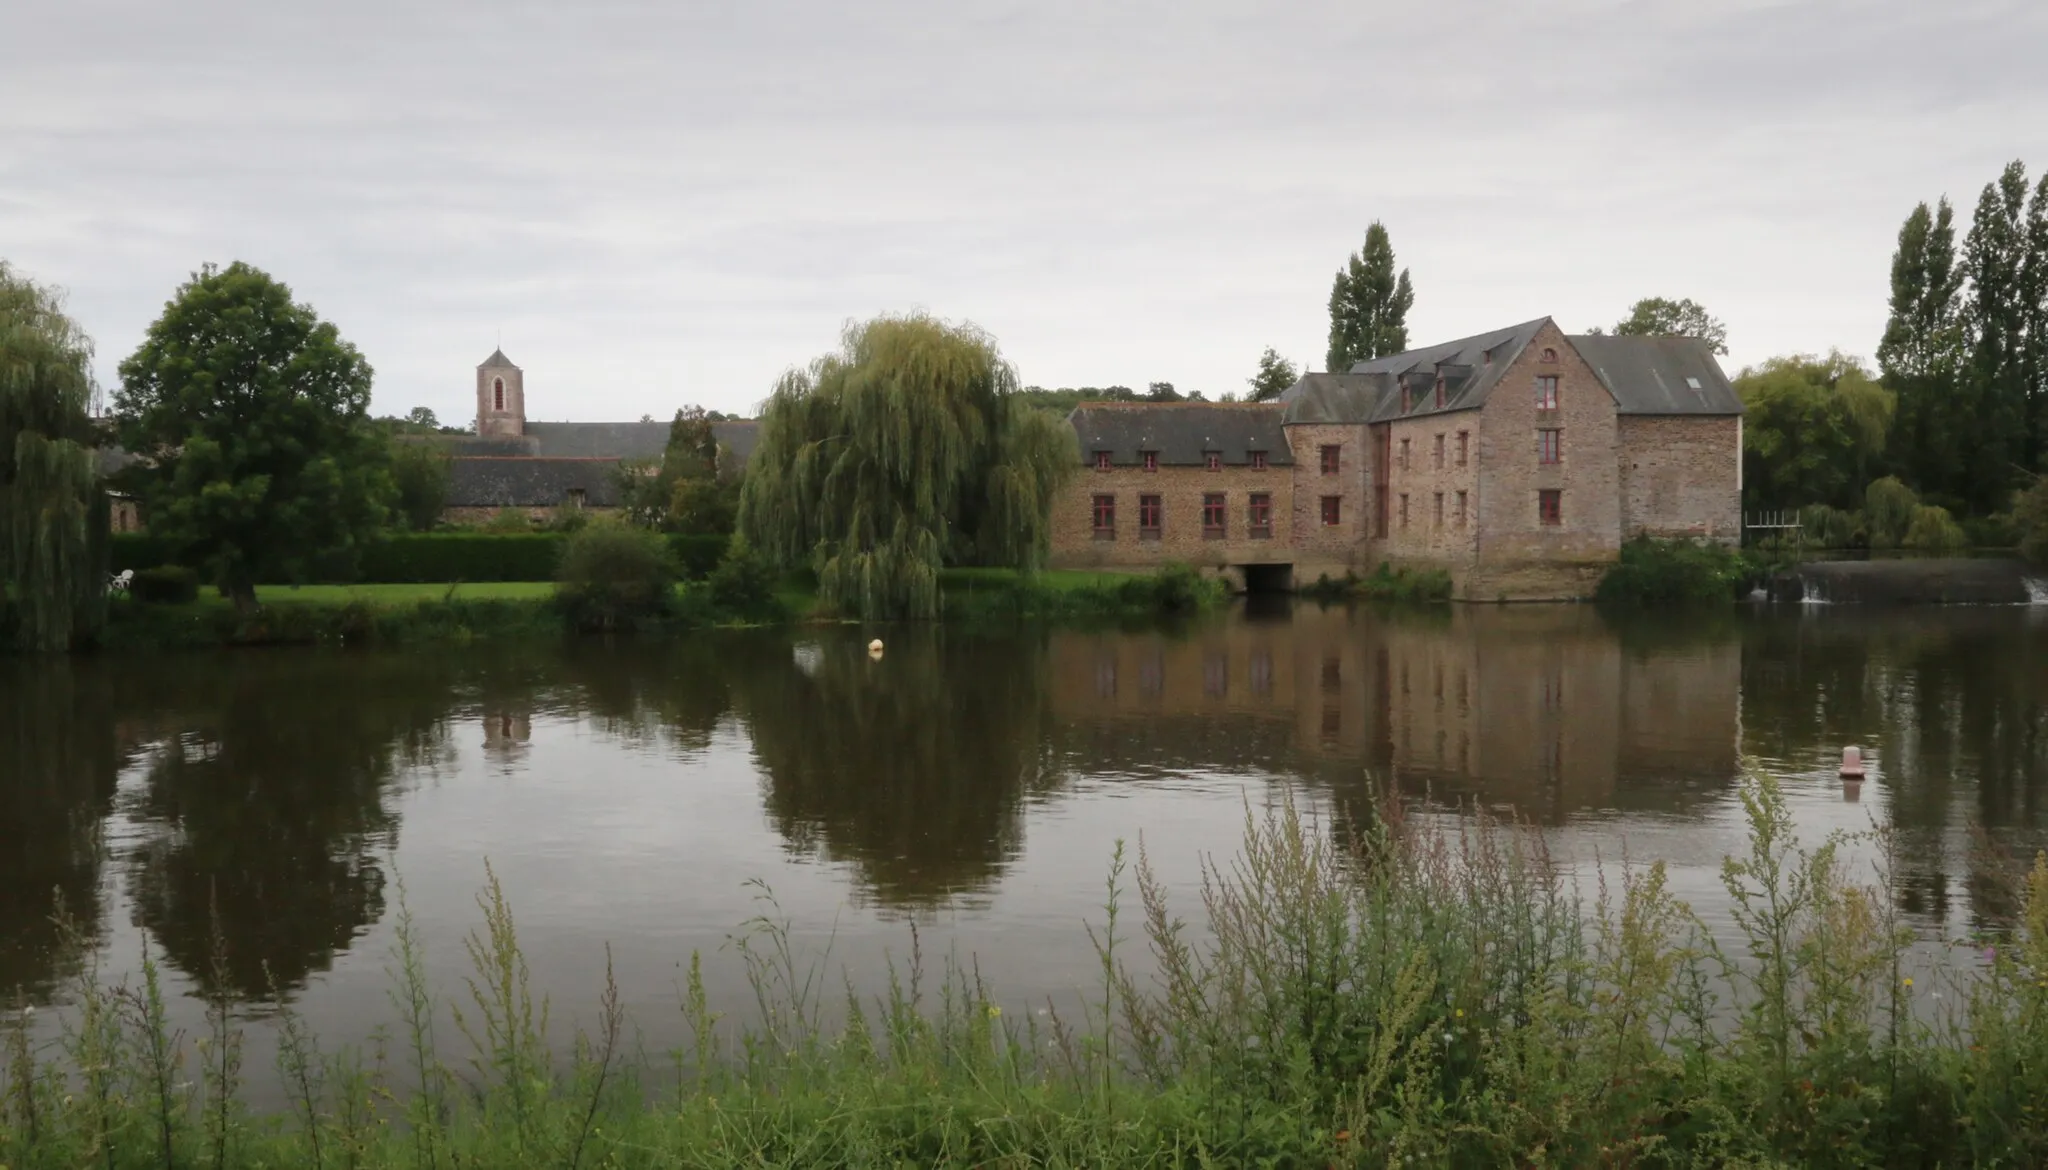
433	557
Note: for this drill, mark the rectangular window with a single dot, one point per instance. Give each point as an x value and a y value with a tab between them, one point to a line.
1404	511
1464	446
1333	507
1151	459
1461	509
1259	515
1105	517
1436	458
1102	461
1330	451
1550	507
1546	391
1550	445
1151	514
1212	516
1439	509
1213	460
1258	460
1404	454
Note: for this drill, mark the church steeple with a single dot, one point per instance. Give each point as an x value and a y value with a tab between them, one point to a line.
500	396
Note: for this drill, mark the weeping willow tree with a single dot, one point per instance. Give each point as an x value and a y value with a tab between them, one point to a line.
53	514
904	451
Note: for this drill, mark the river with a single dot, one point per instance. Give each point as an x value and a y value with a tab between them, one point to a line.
649	796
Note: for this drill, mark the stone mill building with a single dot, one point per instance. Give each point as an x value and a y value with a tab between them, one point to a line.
1517	460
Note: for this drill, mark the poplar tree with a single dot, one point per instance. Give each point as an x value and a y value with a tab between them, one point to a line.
907	449
1368	305
1996	318
2034	310
53	513
1920	356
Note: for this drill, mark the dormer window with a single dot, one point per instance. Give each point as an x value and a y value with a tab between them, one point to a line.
1213	460
1258	460
1151	460
1102	461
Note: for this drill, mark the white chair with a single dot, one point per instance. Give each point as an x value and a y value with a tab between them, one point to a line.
120	581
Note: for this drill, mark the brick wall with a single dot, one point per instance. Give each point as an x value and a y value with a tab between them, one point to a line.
1181	536
1679	476
1511	532
1322	548
1419	476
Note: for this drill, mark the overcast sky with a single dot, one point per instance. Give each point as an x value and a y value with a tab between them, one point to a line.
654	204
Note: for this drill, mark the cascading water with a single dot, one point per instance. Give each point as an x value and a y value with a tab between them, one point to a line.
1810	592
2037	591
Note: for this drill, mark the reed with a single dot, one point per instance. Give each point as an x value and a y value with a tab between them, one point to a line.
1430	993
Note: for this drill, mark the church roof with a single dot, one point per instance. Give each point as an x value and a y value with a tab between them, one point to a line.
497	360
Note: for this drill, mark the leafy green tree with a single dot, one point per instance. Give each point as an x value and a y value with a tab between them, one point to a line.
421	416
53	513
1061	402
1995	317
906	449
1814	430
1161	392
1369	304
249	415
1275	375
1661	317
1921	356
419	472
684	492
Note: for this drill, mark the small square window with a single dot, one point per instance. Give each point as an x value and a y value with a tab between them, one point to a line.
1333	511
1102	461
1330	457
1213	460
1550	507
1151	460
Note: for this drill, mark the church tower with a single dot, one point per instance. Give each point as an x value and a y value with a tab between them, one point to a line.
500	397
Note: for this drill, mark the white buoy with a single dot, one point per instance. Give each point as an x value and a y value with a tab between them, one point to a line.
1852	763
875	647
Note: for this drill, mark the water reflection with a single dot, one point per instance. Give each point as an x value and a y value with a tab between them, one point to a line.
273	785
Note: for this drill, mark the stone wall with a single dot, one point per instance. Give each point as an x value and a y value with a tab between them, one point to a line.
1418	533
1322	548
1511	533
1181	536
1680	476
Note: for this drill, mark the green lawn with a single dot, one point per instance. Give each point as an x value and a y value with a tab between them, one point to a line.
402	594
1055	579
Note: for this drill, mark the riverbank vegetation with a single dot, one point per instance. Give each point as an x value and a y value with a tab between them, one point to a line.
1386	583
1663	572
1427	995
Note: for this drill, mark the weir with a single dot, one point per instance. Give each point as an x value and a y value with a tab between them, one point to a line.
1913	581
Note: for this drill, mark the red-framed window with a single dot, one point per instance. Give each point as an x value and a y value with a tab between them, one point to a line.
1151	460
1213	460
1550	507
1151	516
1333	511
1464	447
1212	515
1102	461
1330	456
1259	515
1105	517
1546	391
1550	445
1258	460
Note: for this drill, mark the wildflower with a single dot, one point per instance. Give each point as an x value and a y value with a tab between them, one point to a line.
1909	981
1461	1013
994	1011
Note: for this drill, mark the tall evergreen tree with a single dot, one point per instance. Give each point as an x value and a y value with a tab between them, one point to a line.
1996	318
53	513
1921	354
1368	304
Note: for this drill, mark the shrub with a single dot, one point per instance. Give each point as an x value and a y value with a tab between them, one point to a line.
165	585
462	556
2030	520
697	553
1888	511
1663	571
508	520
1175	588
743	584
615	575
1825	527
1932	529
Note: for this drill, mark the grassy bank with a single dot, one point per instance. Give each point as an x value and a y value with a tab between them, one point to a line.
1429	997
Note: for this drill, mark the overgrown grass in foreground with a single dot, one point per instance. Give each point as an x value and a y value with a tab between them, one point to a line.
1431	997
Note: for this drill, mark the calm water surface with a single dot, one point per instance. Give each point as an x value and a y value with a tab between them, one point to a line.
973	783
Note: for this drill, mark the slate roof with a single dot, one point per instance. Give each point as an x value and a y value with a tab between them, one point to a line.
1660	375
1182	432
497	360
1645	375
528	482
600	441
